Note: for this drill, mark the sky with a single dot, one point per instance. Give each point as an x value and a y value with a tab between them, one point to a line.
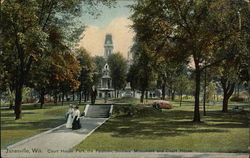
112	20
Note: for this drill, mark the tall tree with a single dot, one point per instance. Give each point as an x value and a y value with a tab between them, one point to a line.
87	73
118	67
192	26
234	25
65	70
99	64
7	77
39	78
22	32
25	26
141	73
182	82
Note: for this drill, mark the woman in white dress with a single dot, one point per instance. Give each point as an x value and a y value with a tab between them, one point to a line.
69	115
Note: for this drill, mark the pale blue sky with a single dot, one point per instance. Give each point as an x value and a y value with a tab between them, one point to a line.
113	21
108	14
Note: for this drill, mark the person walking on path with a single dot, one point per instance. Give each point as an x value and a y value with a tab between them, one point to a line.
93	94
69	117
76	121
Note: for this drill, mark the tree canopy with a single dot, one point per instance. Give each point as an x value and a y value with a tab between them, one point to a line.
118	70
183	30
32	31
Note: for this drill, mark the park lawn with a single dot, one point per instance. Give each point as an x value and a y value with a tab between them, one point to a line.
173	130
126	100
34	121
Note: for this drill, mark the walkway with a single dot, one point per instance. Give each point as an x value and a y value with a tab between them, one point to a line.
59	138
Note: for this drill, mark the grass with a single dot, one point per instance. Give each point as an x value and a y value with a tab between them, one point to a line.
126	100
167	130
34	121
173	130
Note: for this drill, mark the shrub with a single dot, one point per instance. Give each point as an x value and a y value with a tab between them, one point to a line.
47	100
29	100
236	98
162	104
132	110
241	97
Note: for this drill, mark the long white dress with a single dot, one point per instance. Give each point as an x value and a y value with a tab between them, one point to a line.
70	114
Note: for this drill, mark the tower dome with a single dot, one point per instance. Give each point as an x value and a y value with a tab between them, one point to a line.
108	45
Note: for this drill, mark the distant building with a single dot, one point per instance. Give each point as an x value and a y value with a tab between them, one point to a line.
105	86
108	45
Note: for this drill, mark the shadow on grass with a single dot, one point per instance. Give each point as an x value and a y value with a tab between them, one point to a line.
172	123
7	115
31	109
41	124
36	106
27	107
5	108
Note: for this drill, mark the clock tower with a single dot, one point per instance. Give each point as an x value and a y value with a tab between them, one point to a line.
108	45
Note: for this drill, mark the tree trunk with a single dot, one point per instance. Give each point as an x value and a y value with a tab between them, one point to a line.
197	95
238	89
169	93
42	99
62	98
173	95
228	89
18	100
163	89
55	98
92	99
146	96
11	104
204	95
225	104
181	98
73	93
85	97
80	97
142	96
67	96
248	47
